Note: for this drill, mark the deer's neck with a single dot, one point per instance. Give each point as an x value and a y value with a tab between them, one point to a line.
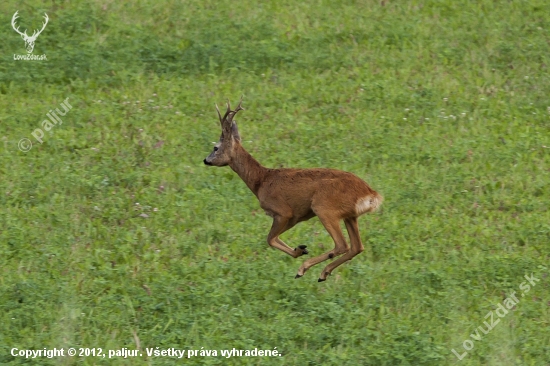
250	171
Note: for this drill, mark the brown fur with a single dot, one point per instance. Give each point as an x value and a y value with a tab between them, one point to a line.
290	196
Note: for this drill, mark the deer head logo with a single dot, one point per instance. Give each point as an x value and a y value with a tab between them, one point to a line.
29	41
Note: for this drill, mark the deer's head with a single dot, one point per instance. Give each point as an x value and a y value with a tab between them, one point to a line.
29	40
223	150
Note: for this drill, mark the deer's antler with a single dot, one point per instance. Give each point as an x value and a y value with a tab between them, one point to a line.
219	115
36	33
13	19
227	118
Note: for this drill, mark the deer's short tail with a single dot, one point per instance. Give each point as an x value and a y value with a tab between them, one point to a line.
369	203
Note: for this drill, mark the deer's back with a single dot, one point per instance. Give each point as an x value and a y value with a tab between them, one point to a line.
316	190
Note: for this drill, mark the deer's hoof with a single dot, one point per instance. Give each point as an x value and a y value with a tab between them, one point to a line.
321	280
302	248
297	276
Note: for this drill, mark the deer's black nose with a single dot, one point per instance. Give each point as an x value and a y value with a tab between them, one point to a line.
207	163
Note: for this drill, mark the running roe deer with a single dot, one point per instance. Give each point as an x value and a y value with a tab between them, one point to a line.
290	196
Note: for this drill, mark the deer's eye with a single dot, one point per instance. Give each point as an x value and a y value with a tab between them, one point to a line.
215	148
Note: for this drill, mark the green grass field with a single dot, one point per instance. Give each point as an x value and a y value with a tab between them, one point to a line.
114	234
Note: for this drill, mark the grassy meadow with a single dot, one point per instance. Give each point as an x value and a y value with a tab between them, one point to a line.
114	234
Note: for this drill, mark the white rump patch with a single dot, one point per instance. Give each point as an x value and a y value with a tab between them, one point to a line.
368	204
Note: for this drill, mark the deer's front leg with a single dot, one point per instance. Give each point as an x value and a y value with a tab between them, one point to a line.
280	225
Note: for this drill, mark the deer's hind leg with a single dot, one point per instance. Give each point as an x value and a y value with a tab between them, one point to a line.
340	246
356	248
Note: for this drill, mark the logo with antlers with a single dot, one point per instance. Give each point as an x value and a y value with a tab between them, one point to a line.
29	40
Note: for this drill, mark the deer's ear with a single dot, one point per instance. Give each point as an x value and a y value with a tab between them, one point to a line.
235	131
